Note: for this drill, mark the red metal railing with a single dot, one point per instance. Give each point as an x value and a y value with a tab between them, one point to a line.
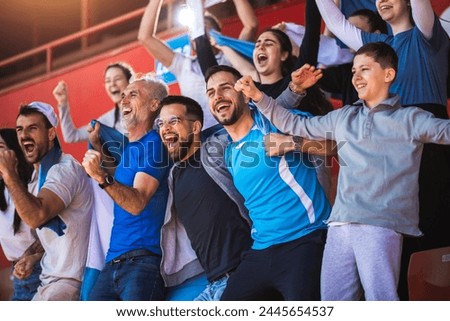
49	47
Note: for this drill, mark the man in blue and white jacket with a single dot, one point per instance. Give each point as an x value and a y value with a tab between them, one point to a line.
286	202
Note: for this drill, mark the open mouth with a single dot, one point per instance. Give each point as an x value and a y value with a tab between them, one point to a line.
262	58
222	107
115	95
170	140
360	86
126	111
385	7
28	146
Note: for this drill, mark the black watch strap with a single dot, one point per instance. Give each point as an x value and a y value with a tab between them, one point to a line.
297	140
109	180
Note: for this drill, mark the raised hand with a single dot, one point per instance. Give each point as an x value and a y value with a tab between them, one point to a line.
8	163
91	163
305	77
248	88
60	93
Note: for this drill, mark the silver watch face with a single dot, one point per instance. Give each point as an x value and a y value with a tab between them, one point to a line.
109	179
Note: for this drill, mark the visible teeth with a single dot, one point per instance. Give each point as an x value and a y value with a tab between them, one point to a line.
170	140
221	106
261	57
28	147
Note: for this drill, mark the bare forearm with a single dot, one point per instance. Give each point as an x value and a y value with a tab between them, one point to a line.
240	63
35	248
312	147
280	144
127	198
147	28
319	148
36	257
27	205
147	34
248	18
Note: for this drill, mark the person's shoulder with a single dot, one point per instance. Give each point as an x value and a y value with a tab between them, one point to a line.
356	107
67	172
413	111
181	60
152	135
220	134
68	164
65	160
368	37
107	116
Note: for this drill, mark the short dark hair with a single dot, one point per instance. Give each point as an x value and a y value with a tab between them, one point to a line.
26	110
126	68
218	68
193	108
381	52
373	19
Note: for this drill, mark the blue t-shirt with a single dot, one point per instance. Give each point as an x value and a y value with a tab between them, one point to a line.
132	232
422	64
350	6
283	196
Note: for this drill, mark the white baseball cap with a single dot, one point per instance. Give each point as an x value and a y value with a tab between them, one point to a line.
47	110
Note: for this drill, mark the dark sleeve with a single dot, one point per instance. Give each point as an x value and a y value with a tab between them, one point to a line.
338	80
309	48
332	80
205	53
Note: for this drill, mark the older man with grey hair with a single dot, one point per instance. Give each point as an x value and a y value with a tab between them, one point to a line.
138	187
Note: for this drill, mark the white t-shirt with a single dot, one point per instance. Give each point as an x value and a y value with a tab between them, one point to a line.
72	134
65	255
192	82
14	245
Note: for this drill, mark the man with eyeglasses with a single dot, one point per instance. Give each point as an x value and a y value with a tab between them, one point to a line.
207	227
139	190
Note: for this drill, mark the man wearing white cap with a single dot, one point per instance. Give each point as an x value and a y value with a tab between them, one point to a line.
61	210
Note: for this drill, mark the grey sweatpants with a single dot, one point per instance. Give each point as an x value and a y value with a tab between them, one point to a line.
361	260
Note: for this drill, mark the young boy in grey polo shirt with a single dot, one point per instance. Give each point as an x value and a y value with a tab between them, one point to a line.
377	195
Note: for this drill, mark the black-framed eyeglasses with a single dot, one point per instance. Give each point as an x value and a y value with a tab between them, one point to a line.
172	121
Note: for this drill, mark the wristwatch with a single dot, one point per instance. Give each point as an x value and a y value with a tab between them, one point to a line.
297	141
109	180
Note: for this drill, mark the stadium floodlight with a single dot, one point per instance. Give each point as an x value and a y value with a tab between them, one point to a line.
186	16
